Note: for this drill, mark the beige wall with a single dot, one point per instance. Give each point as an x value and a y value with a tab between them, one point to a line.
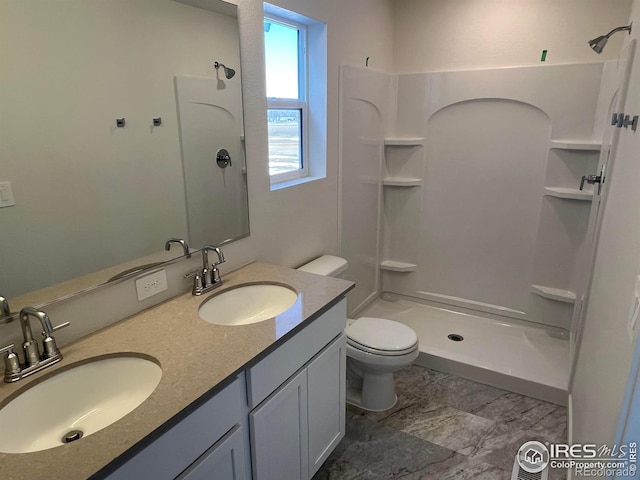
434	35
607	349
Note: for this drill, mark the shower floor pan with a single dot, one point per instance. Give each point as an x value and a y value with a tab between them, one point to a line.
513	356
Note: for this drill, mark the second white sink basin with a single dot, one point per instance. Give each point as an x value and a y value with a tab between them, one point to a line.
247	304
76	402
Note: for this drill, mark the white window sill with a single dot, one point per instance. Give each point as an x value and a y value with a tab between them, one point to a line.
293	183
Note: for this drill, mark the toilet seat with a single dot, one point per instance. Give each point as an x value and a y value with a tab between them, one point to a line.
384	353
380	336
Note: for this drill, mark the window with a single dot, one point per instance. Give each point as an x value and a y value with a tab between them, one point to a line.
287	105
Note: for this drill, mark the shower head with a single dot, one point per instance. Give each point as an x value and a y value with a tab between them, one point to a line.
598	43
228	72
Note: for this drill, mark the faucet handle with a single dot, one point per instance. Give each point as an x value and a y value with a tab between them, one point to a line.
5	311
11	360
198	283
59	327
49	329
49	343
7	349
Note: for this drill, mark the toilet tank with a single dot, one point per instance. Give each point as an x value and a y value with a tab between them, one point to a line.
326	265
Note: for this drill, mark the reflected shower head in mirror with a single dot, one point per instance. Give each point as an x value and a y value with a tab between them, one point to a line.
228	72
598	43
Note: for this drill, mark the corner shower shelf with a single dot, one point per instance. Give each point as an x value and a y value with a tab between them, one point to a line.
568	193
575	145
557	294
392	266
402	182
404	141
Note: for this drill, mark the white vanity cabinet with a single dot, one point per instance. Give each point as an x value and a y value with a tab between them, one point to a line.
226	460
279	433
279	419
297	426
210	443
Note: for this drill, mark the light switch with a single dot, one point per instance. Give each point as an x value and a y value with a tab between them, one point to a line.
6	195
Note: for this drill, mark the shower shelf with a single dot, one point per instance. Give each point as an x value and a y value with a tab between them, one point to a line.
575	145
551	293
568	193
402	182
404	141
392	266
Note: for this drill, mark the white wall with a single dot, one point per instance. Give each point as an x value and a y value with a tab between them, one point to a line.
292	225
606	351
438	35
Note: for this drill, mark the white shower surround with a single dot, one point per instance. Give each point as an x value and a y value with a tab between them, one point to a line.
459	189
473	226
484	230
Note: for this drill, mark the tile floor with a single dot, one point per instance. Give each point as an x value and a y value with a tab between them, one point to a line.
443	427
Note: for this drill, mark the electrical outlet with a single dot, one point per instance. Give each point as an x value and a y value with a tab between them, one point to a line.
6	195
151	284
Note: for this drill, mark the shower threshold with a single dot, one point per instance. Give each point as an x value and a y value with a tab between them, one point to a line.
511	355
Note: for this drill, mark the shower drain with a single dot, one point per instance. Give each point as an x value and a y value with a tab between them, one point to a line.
455	337
72	436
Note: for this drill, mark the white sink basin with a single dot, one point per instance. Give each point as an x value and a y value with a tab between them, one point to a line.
248	304
84	399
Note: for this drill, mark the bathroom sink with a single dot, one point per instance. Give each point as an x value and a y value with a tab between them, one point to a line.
76	402
248	304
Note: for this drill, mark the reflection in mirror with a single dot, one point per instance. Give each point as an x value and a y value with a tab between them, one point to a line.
92	201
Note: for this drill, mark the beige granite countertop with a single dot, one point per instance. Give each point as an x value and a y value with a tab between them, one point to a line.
195	357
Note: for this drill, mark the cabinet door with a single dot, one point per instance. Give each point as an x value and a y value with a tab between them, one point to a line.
279	434
326	388
177	448
223	461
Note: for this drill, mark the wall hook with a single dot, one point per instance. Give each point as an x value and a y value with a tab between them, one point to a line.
630	122
157	121
120	122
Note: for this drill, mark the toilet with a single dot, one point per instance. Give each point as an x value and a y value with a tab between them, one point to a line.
376	348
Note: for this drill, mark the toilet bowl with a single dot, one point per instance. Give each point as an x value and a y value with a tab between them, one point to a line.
376	348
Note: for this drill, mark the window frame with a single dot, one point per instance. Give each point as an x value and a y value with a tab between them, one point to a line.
301	103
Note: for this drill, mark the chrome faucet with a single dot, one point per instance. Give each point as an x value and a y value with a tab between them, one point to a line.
33	360
180	241
208	278
5	311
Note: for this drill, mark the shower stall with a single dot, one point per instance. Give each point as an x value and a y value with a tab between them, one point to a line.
463	214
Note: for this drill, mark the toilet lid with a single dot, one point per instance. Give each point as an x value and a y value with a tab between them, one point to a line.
382	335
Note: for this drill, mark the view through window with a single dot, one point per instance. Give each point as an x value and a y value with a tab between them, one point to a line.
285	65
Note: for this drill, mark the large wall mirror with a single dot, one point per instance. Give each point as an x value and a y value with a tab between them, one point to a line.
112	122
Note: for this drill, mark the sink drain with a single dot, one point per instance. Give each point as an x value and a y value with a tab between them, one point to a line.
72	436
455	337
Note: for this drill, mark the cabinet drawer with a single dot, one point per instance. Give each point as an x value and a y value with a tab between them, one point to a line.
180	446
279	365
